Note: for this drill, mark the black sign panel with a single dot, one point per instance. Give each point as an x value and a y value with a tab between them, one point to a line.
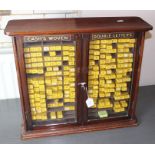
48	38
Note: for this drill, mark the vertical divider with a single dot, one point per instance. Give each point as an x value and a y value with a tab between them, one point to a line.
79	94
84	78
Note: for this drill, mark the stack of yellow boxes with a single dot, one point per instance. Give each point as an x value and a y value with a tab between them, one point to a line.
53	79
37	97
107	77
36	87
69	76
110	64
33	60
125	48
93	74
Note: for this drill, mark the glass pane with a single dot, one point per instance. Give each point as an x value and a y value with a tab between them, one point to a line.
110	76
50	69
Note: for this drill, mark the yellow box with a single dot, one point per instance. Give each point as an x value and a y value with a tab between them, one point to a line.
122	40
108	56
103	56
96	53
49	69
95	42
109	47
47	58
120	46
27	55
65	47
71	59
68	108
66	68
26	49
102	94
28	65
65	58
132	40
96	68
103	51
53	53
47	64
94	46
33	55
111	66
35	49
71	48
108	41
55	68
43	117
111	51
40	64
124	104
38	54
129	45
42	96
56	73
71	54
124	88
126	65
66	73
52	115
96	57
59	114
114	40
28	60
53	48
103	46
117	105
58	63
58	58
110	60
71	63
66	53
109	90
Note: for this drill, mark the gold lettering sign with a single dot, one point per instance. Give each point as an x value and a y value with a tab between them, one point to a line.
97	36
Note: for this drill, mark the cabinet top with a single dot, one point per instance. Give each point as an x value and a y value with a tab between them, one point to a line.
75	25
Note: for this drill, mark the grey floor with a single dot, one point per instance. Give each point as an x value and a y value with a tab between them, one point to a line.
10	121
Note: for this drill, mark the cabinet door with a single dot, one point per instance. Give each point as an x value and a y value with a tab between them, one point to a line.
110	74
52	71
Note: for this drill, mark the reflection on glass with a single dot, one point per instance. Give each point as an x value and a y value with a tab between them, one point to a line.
50	69
109	76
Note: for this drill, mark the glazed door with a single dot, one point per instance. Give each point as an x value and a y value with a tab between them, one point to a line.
52	73
109	74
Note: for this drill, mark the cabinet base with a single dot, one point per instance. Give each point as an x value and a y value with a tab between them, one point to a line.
78	128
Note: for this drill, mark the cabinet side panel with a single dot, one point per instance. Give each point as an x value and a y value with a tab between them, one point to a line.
19	81
137	70
23	83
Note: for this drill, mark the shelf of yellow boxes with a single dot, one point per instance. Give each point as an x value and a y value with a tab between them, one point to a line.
33	60
53	80
107	73
69	77
93	73
36	90
125	48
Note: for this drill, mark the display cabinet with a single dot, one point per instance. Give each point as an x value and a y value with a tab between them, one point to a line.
79	74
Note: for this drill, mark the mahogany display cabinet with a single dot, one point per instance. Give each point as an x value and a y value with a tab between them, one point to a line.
79	74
